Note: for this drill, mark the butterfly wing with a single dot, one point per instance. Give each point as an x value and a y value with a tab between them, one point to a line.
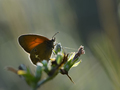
28	42
41	52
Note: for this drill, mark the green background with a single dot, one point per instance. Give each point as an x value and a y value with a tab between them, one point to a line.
91	23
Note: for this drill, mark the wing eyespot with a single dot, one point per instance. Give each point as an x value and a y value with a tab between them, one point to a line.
35	50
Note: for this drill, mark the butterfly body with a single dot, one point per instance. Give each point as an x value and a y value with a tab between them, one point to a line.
39	47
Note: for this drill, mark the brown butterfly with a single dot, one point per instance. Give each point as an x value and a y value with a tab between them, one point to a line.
39	47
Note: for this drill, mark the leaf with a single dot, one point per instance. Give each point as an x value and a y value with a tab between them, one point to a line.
76	64
59	58
71	56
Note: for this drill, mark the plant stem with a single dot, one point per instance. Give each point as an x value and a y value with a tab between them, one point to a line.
45	80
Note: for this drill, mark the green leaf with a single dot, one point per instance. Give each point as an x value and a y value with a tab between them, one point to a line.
29	78
70	62
59	58
76	64
71	56
67	66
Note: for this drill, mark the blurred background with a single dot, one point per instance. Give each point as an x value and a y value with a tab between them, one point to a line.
91	23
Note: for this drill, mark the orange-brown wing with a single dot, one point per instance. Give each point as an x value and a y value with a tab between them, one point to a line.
28	42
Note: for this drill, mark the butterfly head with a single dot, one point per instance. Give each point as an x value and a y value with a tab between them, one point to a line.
53	37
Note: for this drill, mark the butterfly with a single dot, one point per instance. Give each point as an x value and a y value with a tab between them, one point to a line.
39	47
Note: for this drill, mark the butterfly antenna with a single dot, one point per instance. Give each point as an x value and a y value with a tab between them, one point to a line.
55	34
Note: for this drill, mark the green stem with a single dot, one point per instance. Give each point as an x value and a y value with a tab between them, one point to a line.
45	80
